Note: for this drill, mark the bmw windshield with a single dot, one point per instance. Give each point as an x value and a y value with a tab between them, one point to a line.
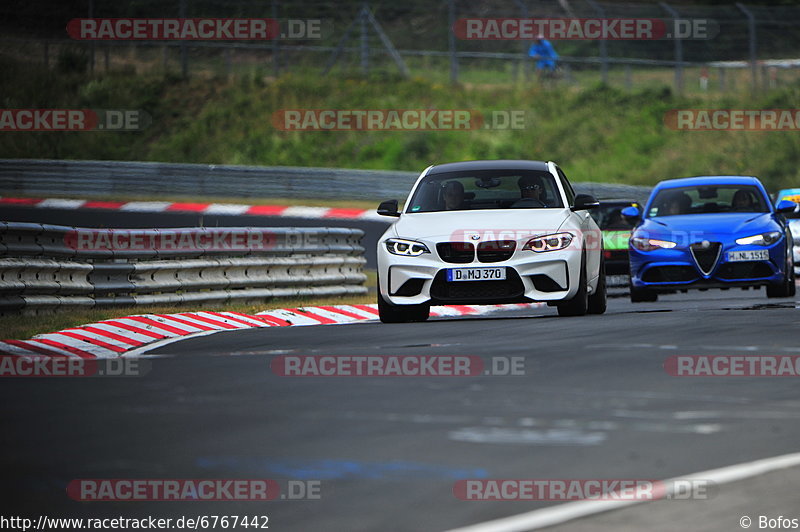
486	189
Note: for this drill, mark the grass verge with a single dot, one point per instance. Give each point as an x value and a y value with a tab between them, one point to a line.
595	132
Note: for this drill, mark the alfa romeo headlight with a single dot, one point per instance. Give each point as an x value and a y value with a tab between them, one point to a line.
765	239
409	248
650	244
552	242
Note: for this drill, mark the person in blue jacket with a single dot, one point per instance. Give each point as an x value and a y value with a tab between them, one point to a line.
545	55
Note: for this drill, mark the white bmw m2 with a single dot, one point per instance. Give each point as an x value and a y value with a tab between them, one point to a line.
489	232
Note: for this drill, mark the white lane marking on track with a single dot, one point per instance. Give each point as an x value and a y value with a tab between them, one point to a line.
697	414
305	212
697	428
58	203
227	208
146	206
555	436
720	348
562	513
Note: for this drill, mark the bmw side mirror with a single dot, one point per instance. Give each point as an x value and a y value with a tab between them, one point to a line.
388	208
584	202
785	206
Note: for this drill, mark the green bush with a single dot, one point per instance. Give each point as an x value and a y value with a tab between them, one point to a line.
596	133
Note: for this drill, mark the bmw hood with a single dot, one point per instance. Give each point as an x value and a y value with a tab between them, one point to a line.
457	226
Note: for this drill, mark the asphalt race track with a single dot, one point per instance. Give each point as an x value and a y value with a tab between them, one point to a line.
594	402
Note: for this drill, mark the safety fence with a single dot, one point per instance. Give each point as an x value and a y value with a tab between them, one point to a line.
416	38
108	178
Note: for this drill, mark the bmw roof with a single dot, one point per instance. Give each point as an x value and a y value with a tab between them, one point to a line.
708	180
469	166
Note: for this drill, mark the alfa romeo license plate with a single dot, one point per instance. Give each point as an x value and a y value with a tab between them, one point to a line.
741	256
476	274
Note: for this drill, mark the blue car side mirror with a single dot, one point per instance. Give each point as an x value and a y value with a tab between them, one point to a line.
630	212
785	206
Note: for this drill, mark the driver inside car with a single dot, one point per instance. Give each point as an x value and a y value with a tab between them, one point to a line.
531	189
678	203
742	201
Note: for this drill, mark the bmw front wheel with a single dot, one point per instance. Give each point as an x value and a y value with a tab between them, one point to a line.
578	305
402	313
599	300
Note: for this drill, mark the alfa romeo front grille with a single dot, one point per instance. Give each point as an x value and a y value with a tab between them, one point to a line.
706	257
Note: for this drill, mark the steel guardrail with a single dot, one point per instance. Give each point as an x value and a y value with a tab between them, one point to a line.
85	179
46	266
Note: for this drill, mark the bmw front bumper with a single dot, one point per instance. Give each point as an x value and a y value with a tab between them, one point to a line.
530	276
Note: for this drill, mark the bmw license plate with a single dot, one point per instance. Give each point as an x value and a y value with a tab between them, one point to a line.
741	256
476	274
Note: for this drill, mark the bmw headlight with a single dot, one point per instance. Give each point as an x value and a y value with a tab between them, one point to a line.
766	239
409	248
650	244
552	242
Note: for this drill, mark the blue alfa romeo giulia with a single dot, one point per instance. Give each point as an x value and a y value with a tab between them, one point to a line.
710	232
